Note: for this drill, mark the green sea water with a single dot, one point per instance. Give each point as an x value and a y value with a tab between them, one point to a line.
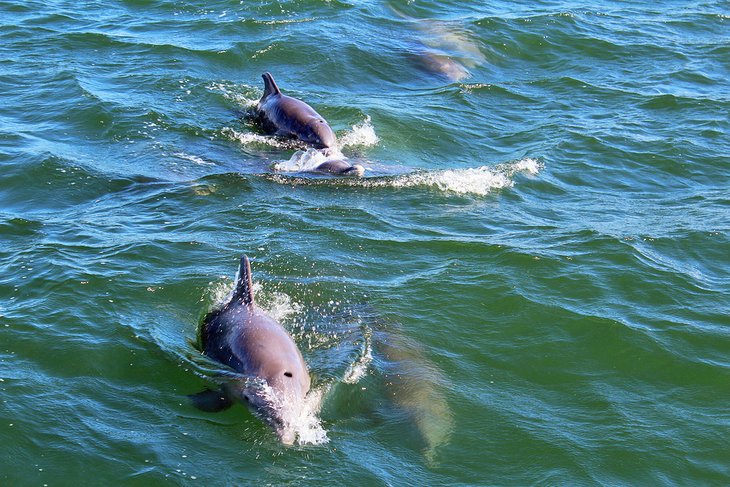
529	286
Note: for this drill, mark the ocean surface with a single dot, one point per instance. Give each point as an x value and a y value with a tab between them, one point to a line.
529	286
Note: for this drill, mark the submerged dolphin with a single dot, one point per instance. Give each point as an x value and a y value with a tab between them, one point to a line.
273	379
288	117
415	386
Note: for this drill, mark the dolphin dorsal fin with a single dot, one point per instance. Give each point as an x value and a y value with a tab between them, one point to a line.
270	87
244	286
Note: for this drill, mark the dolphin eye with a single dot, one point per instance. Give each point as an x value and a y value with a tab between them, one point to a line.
288	374
246	398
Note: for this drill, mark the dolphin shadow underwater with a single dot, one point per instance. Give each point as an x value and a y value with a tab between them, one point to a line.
393	385
270	377
287	117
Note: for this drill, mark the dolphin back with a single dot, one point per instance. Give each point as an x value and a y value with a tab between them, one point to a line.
244	284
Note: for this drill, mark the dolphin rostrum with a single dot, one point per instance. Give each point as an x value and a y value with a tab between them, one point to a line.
285	116
271	376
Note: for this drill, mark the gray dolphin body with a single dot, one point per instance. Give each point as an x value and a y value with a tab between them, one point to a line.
340	167
285	116
273	380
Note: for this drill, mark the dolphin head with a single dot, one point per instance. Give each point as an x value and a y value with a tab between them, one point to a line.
318	133
278	400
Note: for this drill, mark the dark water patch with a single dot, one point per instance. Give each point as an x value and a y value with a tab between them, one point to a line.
51	183
11	227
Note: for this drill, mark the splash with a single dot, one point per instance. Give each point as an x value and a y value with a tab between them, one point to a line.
279	305
479	181
243	96
309	160
250	138
308	425
359	368
219	292
362	134
301	161
302	424
529	166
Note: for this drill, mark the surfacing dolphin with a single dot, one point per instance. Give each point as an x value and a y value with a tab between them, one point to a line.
285	116
272	377
338	166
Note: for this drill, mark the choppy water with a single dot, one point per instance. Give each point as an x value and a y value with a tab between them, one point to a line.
530	285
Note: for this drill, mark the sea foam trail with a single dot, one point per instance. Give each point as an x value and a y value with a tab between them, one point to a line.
478	181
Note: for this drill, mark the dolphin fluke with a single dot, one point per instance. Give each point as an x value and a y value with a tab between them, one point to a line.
270	87
244	285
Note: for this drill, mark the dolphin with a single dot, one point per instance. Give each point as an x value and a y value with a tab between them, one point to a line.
415	386
338	166
271	375
442	64
285	116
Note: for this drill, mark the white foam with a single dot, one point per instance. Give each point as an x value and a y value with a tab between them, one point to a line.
359	368
192	158
479	181
263	51
241	95
476	181
219	292
528	165
301	161
248	138
279	305
362	134
300	424
308	425
309	160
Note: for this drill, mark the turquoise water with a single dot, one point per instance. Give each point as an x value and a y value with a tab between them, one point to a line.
529	286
